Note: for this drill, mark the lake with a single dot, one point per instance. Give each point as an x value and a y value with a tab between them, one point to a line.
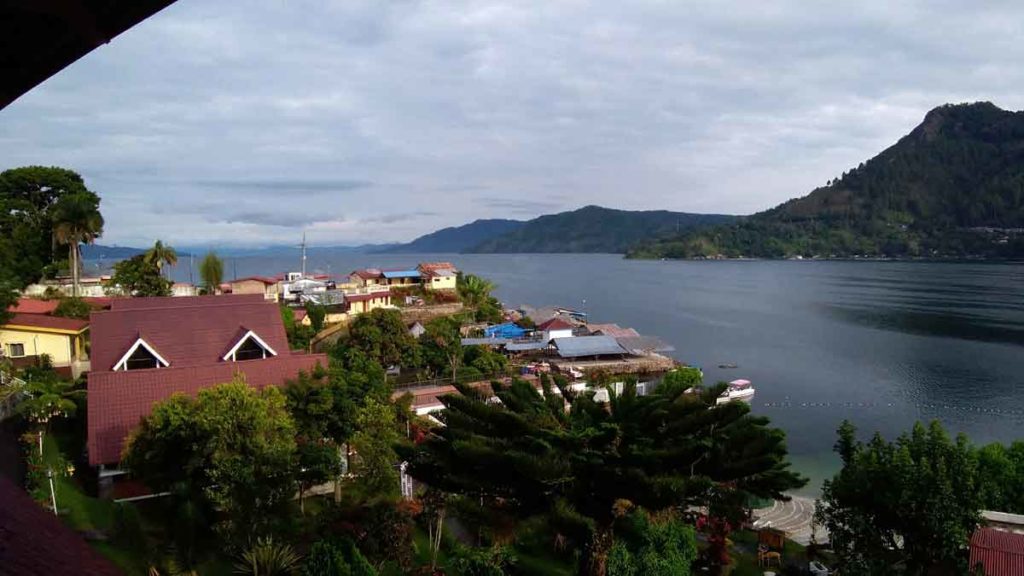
880	343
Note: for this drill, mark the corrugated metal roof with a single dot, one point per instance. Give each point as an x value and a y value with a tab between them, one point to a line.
578	346
1001	553
640	345
484	341
401	273
525	346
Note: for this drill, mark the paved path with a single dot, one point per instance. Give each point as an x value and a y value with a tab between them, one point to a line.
793	517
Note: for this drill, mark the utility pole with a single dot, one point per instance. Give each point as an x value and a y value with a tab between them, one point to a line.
303	254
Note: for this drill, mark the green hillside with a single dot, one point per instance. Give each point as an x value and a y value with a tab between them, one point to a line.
594	229
953	187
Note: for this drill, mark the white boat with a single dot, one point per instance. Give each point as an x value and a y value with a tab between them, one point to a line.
737	390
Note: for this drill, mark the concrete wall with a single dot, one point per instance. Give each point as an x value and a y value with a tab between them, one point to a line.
60	347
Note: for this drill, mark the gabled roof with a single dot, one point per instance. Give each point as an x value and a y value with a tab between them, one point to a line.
34	542
122	363
33	306
554	324
611	330
999	551
46	323
588	346
186	331
247	335
437	269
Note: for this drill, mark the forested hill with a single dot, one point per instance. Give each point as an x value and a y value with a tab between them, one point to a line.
954	186
456	238
594	229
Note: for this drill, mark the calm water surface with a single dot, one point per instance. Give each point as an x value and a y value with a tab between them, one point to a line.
880	343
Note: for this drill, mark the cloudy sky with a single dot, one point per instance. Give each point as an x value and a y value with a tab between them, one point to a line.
245	123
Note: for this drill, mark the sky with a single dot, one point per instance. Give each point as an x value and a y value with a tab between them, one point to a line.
247	123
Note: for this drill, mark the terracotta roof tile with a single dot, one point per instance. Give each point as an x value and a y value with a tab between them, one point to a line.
188	331
119	400
50	322
33	306
34	542
554	324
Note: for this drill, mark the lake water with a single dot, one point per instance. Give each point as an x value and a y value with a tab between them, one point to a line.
880	343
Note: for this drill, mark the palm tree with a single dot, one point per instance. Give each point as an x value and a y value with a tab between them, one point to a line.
77	219
211	270
475	289
159	255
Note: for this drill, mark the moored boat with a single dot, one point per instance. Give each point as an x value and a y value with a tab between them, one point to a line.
736	390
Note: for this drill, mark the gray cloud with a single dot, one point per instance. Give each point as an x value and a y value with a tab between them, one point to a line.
217	122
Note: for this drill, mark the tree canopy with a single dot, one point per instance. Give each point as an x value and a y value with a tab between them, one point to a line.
231	447
77	219
211	272
139	276
903	507
529	457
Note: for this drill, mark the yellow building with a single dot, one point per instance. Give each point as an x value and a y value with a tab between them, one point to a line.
361	303
27	337
439	275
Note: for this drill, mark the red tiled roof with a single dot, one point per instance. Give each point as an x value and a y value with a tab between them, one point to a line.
185	331
432	268
299	313
119	400
34	542
368	273
554	324
1000	552
48	322
33	306
264	279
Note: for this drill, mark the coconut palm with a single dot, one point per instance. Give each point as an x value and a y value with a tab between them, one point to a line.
77	219
474	289
160	254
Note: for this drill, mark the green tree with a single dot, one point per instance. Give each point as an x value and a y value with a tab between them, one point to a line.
299	335
442	345
211	271
904	507
159	255
77	220
382	337
27	199
663	546
374	441
73	308
473	289
529	458
682	378
1001	474
8	298
316	314
137	276
47	396
232	446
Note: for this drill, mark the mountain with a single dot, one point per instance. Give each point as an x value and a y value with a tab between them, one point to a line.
456	238
99	251
594	229
952	187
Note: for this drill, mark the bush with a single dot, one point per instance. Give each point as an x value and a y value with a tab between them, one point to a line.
73	308
331	559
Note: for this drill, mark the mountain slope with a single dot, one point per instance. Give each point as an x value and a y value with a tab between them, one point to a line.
594	229
456	238
954	186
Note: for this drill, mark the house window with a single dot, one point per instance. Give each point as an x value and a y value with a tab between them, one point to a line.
16	350
250	350
141	359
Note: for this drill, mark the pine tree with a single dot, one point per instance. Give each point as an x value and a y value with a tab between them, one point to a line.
529	457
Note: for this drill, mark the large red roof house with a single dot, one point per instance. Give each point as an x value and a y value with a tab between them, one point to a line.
146	349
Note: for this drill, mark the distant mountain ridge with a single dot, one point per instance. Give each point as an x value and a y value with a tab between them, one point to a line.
589	229
594	229
456	239
952	187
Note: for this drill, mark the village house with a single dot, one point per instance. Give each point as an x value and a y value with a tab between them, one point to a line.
268	287
362	302
402	277
146	349
367	277
27	337
555	328
438	275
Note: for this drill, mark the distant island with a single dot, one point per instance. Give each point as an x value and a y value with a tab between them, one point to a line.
952	187
591	229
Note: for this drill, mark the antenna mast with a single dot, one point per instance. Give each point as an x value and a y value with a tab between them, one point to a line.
303	254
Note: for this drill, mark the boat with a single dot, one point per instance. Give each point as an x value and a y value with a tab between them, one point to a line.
736	390
728	366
